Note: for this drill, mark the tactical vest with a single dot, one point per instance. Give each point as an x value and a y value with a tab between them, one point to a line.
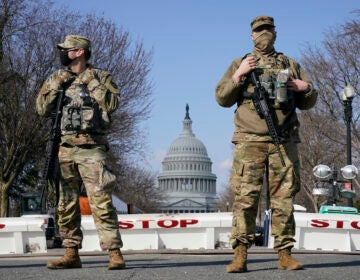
81	114
273	73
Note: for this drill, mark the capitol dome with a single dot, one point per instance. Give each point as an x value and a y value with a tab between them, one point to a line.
186	178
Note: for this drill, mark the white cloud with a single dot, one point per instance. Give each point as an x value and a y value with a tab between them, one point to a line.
160	155
225	164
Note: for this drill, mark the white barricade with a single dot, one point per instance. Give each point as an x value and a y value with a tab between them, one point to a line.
165	231
22	235
328	232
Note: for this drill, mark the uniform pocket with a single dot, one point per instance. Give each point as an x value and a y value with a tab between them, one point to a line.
87	116
236	175
239	168
107	179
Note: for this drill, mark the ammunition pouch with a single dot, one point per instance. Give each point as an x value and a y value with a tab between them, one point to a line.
79	119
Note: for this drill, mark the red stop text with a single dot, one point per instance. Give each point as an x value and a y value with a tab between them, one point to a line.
338	224
166	223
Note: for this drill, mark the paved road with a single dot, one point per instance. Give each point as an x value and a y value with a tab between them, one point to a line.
199	265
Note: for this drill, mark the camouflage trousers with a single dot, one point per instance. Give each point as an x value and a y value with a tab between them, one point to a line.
249	165
86	166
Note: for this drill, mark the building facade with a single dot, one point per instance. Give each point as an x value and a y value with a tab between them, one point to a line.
187	181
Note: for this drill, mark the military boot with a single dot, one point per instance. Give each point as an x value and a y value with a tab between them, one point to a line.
70	259
238	265
287	262
116	259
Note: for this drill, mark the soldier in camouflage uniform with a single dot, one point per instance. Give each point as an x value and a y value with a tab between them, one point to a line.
254	148
91	95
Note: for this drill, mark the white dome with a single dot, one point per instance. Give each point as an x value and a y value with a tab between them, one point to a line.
186	177
187	155
187	143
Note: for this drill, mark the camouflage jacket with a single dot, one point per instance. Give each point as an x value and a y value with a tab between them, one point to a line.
90	98
248	125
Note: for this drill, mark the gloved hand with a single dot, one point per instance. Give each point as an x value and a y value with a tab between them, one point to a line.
88	76
65	77
90	80
57	80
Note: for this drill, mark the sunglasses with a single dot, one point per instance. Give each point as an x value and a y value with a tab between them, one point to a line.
264	27
68	50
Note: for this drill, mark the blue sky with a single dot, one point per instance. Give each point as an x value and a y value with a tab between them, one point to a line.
194	41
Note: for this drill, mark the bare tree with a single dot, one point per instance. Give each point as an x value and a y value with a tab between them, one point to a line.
23	67
29	33
226	199
137	186
331	66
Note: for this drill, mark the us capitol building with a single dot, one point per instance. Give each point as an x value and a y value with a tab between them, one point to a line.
186	179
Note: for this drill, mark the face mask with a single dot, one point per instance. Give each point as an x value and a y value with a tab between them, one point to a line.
264	42
64	58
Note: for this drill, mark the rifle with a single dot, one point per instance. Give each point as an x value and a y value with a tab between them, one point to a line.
263	110
52	149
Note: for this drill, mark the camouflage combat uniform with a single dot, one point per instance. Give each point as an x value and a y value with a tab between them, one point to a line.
82	153
254	150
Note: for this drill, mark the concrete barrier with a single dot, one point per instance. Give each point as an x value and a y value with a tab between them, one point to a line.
327	232
22	235
162	231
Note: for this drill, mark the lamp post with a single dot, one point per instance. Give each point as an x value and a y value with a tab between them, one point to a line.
329	178
347	97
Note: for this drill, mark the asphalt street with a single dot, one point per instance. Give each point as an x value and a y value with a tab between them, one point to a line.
171	265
